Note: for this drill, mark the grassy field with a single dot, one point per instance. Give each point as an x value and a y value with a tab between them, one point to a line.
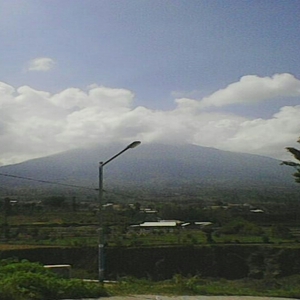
287	287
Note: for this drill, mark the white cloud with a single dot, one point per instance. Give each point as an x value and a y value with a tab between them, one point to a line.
268	137
250	89
41	64
5	90
37	123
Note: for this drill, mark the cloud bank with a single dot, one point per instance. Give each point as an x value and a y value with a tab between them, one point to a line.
249	90
36	123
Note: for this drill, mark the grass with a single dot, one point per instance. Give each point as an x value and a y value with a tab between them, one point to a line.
5	247
48	217
87	236
286	287
188	238
30	281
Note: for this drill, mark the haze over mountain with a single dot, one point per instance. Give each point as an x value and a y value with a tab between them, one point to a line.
151	165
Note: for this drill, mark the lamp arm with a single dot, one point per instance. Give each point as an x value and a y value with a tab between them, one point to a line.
132	145
115	156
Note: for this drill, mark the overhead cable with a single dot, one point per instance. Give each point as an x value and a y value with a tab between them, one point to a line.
46	181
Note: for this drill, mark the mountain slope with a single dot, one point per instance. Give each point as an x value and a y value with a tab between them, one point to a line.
153	165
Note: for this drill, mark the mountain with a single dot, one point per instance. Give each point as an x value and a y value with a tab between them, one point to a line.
151	165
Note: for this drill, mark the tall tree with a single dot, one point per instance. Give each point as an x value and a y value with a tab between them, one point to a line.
296	154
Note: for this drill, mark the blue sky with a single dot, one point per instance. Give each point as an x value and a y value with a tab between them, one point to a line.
153	53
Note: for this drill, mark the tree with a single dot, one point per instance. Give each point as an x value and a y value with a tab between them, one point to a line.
296	154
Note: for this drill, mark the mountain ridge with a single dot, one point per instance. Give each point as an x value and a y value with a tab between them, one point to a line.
151	165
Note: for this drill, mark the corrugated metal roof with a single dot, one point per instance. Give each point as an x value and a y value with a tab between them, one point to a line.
185	224
159	224
203	223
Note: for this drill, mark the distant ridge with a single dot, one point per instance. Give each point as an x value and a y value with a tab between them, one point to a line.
152	165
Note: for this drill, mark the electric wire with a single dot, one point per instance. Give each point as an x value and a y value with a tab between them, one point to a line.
46	181
66	184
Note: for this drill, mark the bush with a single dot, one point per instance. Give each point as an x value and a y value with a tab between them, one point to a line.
31	281
241	226
9	267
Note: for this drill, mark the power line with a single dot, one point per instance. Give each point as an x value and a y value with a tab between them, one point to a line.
46	181
66	184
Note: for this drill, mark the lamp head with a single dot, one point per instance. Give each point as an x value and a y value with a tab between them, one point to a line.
133	145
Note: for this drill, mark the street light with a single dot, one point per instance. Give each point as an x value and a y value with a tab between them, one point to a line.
101	233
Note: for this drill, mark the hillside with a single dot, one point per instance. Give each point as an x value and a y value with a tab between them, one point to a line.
153	166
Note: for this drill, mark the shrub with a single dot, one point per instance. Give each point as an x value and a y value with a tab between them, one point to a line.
11	266
241	226
31	281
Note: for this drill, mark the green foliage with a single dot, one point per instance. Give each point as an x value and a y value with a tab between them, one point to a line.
11	266
186	285
197	285
296	153
241	226
31	281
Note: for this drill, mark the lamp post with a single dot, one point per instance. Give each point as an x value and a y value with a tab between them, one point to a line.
101	233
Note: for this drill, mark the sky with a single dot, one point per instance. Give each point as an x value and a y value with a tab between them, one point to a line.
214	73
